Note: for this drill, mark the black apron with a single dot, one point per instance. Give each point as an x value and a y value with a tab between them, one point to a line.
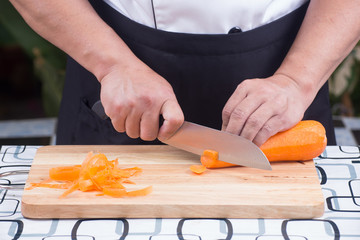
203	69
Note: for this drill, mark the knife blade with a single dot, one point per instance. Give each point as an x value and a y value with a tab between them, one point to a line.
234	149
195	138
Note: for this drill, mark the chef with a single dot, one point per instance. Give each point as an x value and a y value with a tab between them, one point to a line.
251	68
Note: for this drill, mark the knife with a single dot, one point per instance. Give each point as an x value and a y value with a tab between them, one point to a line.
195	138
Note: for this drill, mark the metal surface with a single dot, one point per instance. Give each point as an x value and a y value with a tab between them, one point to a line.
13	186
195	138
234	149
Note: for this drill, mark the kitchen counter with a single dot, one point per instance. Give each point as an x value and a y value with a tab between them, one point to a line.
338	169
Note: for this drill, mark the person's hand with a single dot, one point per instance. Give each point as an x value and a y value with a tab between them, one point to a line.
259	108
134	98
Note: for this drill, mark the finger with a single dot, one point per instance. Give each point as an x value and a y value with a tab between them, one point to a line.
119	123
241	113
118	118
149	125
238	96
259	117
270	128
173	119
132	123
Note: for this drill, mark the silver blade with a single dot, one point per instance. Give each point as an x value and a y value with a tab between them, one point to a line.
234	149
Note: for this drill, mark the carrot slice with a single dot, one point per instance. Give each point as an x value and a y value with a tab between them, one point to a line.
114	192
197	169
65	173
210	159
140	192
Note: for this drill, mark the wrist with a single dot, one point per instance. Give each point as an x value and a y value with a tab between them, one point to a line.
304	89
114	58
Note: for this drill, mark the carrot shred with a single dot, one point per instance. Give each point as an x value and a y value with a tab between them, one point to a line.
96	173
73	188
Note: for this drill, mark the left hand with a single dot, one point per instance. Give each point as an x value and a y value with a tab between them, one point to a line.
259	108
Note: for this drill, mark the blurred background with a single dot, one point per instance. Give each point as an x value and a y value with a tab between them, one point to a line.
32	75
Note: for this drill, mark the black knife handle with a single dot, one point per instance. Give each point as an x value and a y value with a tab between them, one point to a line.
98	108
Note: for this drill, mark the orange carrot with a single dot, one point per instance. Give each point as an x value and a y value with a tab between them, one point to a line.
197	169
304	141
210	159
96	173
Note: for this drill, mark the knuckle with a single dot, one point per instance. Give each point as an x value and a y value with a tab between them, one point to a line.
176	121
129	103
146	100
267	130
226	112
245	83
280	101
253	122
238	114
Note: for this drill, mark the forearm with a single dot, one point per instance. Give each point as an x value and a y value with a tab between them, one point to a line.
74	27
329	32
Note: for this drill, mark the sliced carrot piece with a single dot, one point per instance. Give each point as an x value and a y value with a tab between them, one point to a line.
128	181
140	192
197	169
65	173
86	185
210	160
114	192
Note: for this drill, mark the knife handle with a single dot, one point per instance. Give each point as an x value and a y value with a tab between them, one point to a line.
98	108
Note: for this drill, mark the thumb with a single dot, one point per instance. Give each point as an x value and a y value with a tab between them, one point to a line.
173	119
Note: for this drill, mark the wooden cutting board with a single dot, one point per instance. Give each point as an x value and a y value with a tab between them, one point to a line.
290	190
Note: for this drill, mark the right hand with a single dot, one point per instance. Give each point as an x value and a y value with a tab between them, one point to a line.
134	98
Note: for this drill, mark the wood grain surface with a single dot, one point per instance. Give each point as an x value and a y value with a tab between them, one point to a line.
290	190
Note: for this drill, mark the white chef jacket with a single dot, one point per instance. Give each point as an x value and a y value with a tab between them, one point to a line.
204	16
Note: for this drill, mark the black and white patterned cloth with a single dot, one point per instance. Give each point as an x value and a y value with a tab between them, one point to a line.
339	175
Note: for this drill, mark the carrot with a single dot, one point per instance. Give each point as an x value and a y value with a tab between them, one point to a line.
304	141
197	169
96	173
210	159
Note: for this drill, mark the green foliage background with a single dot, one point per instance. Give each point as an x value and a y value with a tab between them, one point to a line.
48	61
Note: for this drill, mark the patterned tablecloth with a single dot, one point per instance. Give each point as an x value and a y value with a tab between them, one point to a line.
338	169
